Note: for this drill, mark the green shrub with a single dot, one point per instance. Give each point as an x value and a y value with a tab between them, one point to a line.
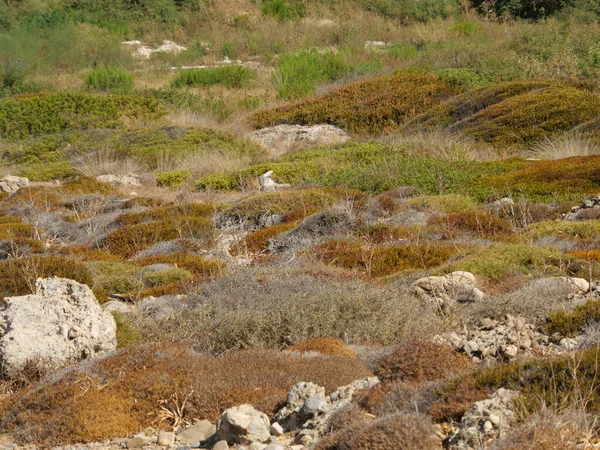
298	75
59	170
172	179
109	78
283	9
197	265
231	76
164	277
116	277
463	77
126	334
34	115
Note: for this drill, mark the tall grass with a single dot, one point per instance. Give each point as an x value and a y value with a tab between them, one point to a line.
298	75
231	76
109	78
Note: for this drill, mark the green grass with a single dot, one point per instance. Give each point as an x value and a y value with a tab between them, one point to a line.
231	76
109	79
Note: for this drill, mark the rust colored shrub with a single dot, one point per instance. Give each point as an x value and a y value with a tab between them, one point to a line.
129	240
258	241
481	223
17	276
379	104
382	233
324	346
420	362
88	185
349	416
121	394
396	432
10	219
455	398
372	399
382	261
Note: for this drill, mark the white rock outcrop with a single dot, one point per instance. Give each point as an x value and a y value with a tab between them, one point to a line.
61	322
244	425
445	291
145	52
11	183
267	183
129	179
282	139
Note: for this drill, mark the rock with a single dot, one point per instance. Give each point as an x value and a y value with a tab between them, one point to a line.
11	183
313	406
199	432
377	46
145	52
274	447
487	419
244	425
132	43
117	306
568	344
257	446
580	285
496	339
138	441
297	395
276	429
268	184
129	179
589	209
165	438
285	138
221	445
61	322
445	291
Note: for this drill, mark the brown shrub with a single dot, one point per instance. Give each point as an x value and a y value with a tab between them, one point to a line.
396	432
121	394
420	362
348	416
372	399
481	223
132	239
324	346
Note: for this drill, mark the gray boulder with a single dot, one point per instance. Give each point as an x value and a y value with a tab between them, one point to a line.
285	138
61	322
445	291
268	184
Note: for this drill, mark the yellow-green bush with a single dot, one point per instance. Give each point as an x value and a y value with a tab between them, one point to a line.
44	113
379	104
480	223
382	261
172	179
17	276
116	277
191	210
589	229
197	265
500	260
164	277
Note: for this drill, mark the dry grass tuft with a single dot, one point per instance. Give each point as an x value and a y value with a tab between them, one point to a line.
420	362
324	346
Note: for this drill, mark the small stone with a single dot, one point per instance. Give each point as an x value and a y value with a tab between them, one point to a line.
221	445
165	438
313	405
257	446
274	447
494	419
487	426
199	432
138	441
276	429
511	351
195	445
